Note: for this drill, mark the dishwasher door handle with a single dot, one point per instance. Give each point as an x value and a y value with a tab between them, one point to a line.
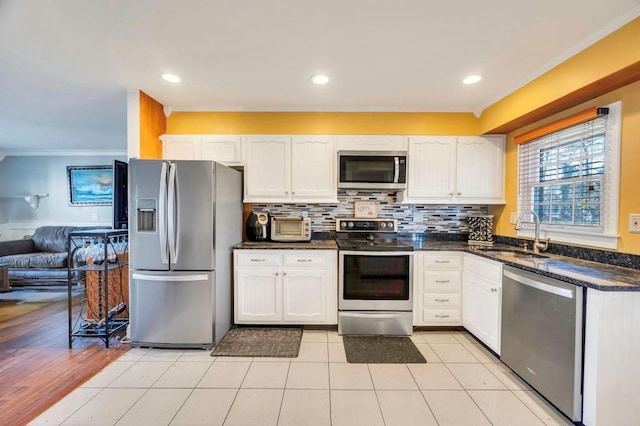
569	294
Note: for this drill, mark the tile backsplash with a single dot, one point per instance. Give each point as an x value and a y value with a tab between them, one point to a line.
415	218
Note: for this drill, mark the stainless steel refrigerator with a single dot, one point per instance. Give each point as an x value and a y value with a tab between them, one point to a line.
184	217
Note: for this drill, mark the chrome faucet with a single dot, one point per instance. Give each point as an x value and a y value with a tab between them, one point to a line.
538	246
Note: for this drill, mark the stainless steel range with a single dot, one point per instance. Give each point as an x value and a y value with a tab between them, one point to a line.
375	278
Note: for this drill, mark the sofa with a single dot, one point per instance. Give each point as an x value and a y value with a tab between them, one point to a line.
40	258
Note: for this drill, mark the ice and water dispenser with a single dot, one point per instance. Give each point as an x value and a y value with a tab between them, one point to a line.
147	213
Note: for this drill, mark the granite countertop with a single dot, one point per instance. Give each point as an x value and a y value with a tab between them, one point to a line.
600	276
305	245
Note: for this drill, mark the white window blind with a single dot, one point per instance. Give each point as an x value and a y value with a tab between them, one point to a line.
562	177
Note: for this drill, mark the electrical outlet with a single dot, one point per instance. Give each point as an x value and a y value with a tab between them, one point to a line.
513	218
634	223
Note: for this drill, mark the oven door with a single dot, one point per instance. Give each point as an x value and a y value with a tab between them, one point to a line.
375	281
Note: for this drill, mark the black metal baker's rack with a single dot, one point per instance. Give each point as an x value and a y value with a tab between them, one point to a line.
103	252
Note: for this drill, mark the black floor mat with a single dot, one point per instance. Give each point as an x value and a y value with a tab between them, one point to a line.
260	342
381	350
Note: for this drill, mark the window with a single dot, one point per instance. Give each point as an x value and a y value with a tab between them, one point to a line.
570	179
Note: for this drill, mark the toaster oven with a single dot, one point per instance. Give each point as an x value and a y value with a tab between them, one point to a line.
290	228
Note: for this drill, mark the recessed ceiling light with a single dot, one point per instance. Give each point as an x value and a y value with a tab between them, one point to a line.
320	79
472	79
171	78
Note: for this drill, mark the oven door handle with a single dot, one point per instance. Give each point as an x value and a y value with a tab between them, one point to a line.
376	253
374	315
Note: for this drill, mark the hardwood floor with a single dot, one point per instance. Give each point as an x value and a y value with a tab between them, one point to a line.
36	367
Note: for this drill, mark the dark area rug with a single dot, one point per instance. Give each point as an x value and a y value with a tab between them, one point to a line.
381	350
260	342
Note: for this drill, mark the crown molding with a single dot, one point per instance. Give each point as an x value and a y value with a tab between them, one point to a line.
313	109
63	153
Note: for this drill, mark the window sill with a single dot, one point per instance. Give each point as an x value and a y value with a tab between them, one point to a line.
606	241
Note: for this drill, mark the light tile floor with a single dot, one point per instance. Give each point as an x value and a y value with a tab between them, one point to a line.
461	384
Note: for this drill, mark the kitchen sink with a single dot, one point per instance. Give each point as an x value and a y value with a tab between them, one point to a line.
518	254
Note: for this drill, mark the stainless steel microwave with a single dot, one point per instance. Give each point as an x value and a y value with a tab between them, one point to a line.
372	169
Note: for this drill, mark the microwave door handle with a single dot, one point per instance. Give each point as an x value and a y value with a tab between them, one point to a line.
162	212
396	163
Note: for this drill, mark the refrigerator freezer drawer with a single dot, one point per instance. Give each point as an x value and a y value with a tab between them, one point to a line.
172	310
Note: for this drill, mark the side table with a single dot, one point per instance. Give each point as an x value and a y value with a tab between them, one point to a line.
4	280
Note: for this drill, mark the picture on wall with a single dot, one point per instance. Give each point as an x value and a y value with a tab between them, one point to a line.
90	185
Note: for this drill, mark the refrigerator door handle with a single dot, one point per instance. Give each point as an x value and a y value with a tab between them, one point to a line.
162	214
173	249
169	278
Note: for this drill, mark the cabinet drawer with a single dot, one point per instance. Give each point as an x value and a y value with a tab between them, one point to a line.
259	259
305	260
441	300
442	281
443	261
441	315
486	268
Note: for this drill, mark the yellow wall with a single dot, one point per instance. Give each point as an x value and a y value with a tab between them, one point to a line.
587	69
152	124
629	166
618	50
343	123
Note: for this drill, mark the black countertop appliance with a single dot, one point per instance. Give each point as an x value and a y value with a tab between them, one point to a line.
258	226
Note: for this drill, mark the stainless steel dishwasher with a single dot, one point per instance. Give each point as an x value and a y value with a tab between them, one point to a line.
542	332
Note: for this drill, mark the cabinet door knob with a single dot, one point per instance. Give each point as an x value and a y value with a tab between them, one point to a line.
293	193
459	193
451	193
286	192
284	273
277	273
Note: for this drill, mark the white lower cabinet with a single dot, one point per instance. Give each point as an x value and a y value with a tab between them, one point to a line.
482	299
438	288
258	294
285	286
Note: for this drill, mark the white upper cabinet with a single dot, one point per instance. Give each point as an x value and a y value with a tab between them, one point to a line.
268	171
371	143
480	168
222	148
180	147
455	169
313	162
226	149
290	169
431	169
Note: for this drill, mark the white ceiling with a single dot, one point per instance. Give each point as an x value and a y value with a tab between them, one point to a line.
65	65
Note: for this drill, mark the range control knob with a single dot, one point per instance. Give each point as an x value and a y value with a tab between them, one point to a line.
343	225
389	225
383	225
350	224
